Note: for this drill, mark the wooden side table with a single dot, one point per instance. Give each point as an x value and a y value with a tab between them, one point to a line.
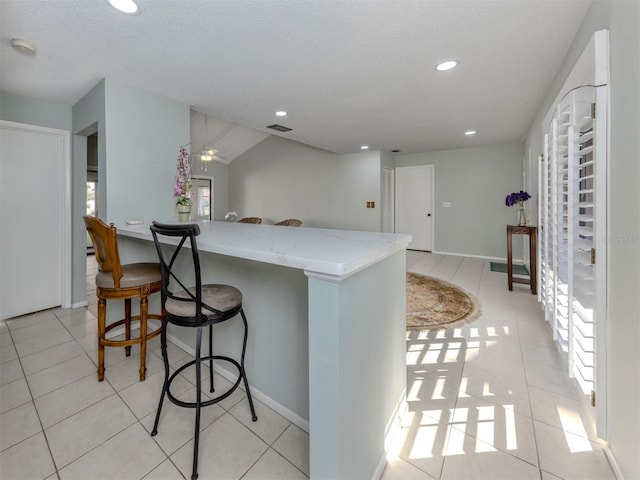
532	232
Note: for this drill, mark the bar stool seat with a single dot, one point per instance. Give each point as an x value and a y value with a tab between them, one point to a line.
115	281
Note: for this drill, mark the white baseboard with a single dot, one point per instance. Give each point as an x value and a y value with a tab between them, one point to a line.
614	464
516	261
255	393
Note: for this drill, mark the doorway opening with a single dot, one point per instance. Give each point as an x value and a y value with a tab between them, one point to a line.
203	192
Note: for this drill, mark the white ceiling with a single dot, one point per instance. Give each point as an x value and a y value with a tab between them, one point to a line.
349	72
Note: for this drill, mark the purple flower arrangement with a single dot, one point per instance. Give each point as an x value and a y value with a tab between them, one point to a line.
182	187
516	198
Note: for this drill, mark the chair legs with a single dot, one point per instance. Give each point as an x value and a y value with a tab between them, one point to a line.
142	319
144	309
102	319
165	385
198	404
211	389
196	437
127	324
242	371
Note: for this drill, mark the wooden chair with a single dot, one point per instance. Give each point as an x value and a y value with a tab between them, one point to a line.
290	222
256	220
122	282
188	303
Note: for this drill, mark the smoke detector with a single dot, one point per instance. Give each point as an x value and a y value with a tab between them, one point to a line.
23	47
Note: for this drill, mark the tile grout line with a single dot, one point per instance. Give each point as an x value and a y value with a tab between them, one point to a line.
35	408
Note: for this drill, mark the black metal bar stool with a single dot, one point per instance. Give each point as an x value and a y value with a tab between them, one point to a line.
196	306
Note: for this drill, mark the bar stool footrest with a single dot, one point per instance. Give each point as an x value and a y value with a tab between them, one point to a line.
212	401
134	341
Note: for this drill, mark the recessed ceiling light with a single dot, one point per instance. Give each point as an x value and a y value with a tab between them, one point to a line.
448	65
470	132
281	113
125	6
364	147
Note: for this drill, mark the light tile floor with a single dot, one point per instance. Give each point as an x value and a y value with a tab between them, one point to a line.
491	399
488	400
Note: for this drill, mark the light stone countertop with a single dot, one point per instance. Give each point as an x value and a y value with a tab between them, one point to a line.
319	251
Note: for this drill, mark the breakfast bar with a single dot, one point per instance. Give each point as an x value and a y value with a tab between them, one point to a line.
326	313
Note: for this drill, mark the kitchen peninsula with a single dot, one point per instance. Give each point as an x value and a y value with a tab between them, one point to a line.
326	313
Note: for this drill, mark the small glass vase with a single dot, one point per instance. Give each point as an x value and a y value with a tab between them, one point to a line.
184	212
522	217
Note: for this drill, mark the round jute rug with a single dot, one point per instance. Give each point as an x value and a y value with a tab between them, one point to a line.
433	303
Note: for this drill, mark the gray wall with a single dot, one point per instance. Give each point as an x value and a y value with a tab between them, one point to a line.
143	135
88	118
279	179
33	111
622	19
139	135
476	181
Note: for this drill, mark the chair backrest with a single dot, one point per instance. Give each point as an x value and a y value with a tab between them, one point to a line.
105	247
250	220
290	222
173	286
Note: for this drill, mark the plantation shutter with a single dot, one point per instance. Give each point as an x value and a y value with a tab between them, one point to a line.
572	216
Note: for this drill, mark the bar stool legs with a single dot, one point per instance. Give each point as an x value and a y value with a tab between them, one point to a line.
198	404
198	306
243	373
102	313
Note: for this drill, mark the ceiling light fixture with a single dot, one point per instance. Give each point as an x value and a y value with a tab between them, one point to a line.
470	132
281	113
448	65
208	154
364	147
23	47
125	6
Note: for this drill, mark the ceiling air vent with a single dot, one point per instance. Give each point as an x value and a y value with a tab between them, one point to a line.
279	128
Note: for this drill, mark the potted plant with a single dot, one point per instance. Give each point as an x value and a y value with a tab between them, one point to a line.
182	187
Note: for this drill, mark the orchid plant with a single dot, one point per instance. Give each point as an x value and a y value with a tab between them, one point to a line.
518	198
182	187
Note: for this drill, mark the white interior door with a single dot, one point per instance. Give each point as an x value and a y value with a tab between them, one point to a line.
414	205
34	268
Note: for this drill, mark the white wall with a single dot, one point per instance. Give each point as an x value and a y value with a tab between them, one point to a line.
622	19
476	181
280	178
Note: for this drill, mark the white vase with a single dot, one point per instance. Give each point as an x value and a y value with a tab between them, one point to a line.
184	212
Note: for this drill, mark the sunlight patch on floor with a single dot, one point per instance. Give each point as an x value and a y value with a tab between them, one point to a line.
574	430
